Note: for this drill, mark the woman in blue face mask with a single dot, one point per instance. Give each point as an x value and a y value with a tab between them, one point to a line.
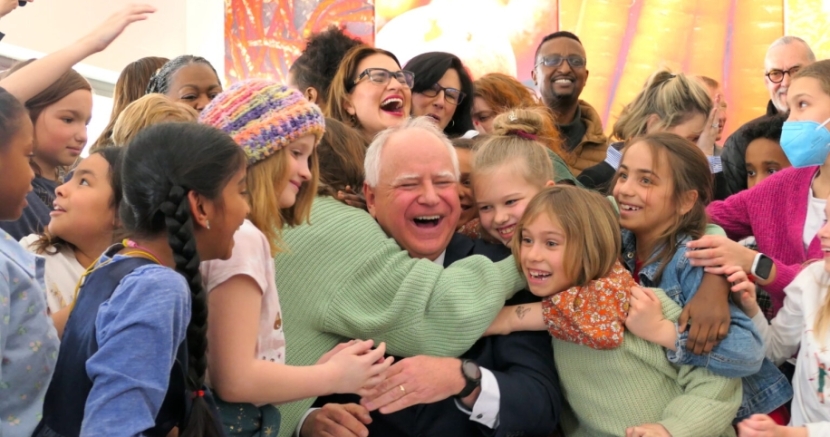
786	210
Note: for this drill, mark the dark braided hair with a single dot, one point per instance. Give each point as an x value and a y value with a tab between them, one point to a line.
162	164
160	82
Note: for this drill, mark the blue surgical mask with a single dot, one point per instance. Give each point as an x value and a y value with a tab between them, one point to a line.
806	143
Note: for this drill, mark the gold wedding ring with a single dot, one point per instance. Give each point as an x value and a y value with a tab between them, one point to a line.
403	390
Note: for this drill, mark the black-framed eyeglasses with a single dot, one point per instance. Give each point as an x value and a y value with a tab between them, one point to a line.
451	95
382	76
556	60
777	76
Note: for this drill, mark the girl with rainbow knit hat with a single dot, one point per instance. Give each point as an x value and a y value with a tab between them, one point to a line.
279	131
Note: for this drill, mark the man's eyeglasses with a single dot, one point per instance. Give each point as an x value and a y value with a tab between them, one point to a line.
382	76
451	95
777	76
556	60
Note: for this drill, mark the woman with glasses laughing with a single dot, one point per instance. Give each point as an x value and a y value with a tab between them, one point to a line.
442	91
370	92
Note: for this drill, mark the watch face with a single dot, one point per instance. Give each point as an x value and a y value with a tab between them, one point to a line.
471	370
764	267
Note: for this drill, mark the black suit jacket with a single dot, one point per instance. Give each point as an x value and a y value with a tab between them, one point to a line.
522	362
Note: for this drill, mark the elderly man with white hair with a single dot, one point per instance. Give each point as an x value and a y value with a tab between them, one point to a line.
785	56
503	385
342	277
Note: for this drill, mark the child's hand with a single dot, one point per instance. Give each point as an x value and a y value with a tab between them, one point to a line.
761	425
647	430
100	38
645	319
327	356
502	324
351	198
743	290
358	367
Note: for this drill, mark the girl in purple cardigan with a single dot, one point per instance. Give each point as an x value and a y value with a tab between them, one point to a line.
786	210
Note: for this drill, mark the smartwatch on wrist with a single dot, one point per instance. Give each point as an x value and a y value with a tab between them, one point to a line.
762	267
472	377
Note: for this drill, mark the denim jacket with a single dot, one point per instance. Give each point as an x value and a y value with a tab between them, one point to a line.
739	355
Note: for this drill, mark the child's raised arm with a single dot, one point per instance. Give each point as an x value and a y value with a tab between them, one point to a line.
525	317
35	77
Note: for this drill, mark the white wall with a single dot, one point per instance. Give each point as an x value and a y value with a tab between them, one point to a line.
178	27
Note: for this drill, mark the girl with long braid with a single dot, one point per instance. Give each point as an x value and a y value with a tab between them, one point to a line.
133	355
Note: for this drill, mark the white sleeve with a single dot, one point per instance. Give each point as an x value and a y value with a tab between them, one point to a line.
818	429
486	409
783	336
302	421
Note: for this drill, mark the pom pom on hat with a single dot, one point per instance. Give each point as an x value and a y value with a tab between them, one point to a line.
263	117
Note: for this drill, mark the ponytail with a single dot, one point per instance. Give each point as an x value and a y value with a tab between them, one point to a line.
673	98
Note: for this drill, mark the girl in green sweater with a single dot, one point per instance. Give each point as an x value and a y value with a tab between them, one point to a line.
566	246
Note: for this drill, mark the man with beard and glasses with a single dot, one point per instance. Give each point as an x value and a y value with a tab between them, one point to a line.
560	74
785	56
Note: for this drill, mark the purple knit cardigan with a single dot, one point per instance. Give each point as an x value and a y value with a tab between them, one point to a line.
774	212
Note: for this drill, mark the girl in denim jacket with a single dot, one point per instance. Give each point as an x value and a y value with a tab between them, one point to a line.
662	188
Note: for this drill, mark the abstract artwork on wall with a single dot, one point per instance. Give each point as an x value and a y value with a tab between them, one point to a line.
488	35
263	37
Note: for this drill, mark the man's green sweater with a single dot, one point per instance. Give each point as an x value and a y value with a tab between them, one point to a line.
341	277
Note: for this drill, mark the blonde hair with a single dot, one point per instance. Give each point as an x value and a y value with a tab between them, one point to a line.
147	111
673	98
266	180
591	227
512	142
131	85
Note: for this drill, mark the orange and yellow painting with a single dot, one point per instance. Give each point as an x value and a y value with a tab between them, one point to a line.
263	37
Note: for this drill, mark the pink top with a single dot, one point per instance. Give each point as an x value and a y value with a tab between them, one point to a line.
252	257
774	212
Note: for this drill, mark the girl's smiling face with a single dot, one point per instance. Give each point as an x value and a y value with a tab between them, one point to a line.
542	256
299	157
83	210
644	192
501	196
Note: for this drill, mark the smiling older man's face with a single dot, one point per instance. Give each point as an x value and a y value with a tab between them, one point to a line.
416	201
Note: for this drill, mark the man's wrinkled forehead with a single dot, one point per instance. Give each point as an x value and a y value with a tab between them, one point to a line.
412	149
786	56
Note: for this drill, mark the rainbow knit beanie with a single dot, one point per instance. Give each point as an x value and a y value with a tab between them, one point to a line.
263	117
